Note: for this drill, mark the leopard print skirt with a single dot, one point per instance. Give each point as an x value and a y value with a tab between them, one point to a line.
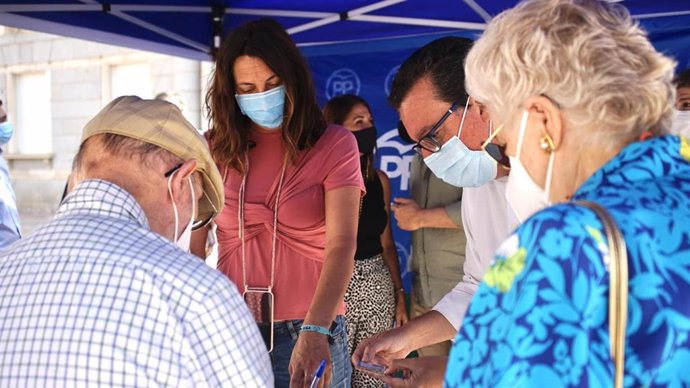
370	309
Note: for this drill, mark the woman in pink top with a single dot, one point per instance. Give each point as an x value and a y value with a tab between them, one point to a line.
288	231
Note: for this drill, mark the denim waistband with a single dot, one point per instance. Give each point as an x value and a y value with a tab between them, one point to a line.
287	328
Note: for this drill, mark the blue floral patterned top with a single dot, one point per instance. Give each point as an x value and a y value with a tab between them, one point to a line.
540	316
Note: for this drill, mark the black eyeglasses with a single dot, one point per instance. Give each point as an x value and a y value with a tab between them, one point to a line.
172	170
429	141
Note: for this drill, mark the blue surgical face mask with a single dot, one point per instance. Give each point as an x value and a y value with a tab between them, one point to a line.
265	109
6	131
459	166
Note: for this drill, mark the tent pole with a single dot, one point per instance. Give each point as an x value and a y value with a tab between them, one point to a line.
217	23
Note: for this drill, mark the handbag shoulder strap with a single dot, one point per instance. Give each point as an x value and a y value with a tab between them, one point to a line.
618	288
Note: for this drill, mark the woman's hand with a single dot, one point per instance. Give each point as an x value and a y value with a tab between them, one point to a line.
390	254
342	205
310	349
400	310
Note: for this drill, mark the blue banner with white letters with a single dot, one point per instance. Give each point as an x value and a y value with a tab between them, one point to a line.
367	70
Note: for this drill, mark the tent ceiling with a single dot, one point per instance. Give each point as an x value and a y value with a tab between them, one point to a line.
191	28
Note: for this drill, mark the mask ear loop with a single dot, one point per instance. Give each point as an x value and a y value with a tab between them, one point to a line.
191	187
175	236
486	143
464	112
492	134
521	133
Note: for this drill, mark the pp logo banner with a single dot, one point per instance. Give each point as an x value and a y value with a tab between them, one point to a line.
403	256
342	81
388	83
396	165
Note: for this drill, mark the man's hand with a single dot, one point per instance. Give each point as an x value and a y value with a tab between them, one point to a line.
407	213
400	310
382	348
423	372
309	350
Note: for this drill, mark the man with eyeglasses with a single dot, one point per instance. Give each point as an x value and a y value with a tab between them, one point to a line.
433	213
453	138
106	294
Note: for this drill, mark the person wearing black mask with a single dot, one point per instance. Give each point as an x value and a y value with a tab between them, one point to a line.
374	297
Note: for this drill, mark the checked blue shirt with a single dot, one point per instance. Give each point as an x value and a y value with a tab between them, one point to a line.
95	298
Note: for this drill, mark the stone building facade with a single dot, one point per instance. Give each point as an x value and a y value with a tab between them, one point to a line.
51	86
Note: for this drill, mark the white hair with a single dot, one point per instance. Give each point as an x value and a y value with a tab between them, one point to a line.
588	56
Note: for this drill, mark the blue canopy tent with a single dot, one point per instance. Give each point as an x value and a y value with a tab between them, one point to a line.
191	28
353	46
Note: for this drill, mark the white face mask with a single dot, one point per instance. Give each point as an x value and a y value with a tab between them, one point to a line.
681	123
524	195
183	240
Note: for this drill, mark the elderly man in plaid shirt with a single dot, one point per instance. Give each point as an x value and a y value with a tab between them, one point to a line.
106	294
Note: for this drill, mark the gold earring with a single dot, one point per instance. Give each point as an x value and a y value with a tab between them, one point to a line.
546	144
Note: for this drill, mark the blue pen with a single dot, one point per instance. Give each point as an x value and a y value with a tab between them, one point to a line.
318	374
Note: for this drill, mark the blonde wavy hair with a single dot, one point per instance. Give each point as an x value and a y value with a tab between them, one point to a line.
588	56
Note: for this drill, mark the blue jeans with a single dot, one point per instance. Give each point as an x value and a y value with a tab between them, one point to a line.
284	340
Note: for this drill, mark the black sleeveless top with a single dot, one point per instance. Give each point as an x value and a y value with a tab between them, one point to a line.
372	221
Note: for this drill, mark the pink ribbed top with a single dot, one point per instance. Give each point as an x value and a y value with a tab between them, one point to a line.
301	235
